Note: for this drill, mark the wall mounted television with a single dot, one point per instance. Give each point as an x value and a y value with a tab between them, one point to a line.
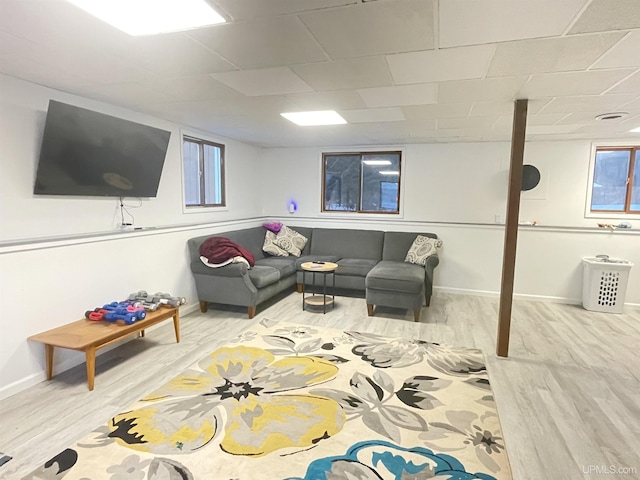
92	154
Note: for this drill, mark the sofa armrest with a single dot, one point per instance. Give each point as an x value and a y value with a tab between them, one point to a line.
233	270
430	265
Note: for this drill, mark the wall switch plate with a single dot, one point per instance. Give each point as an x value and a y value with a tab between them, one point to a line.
498	218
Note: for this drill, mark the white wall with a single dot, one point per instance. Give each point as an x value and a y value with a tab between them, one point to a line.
456	190
46	283
24	215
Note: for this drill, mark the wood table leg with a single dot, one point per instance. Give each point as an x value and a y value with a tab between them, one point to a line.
176	325
49	360
91	366
142	333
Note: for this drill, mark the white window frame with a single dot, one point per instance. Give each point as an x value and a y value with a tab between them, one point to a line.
592	162
198	208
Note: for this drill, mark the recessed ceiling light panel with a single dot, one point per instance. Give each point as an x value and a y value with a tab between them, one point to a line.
323	117
389	172
149	17
635	130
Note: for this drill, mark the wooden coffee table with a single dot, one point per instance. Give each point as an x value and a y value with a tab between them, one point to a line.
323	268
88	336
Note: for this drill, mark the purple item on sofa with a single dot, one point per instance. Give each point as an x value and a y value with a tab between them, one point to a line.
275	227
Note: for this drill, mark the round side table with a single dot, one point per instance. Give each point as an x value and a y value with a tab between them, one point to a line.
315	299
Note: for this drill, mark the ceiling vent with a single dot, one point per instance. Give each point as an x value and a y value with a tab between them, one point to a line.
611	116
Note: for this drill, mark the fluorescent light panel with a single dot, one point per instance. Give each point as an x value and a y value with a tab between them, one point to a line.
148	17
323	117
635	130
389	172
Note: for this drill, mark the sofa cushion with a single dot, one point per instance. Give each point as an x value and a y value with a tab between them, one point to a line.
290	241
261	275
396	277
286	266
269	246
421	249
315	258
347	243
358	267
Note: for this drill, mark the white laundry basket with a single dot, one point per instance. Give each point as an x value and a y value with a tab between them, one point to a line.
604	283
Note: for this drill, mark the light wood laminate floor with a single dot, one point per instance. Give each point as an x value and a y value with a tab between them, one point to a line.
568	396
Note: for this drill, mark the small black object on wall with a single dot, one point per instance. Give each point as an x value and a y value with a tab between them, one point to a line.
530	177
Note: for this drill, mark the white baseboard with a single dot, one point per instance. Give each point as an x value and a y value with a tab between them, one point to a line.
517	296
520	296
24	383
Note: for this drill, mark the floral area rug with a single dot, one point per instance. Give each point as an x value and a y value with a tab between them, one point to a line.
291	402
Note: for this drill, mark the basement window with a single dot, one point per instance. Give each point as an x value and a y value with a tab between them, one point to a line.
203	173
615	182
361	182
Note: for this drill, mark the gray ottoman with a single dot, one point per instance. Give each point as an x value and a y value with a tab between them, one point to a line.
396	284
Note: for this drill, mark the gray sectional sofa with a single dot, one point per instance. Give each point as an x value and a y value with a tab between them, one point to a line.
368	260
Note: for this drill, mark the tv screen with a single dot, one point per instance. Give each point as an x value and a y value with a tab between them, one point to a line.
93	154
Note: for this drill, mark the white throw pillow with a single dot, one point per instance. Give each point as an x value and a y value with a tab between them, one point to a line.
270	246
291	241
421	249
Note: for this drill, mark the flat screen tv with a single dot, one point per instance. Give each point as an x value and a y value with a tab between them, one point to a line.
92	154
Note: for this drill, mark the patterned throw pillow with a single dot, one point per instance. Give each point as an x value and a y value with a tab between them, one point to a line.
270	246
421	249
291	241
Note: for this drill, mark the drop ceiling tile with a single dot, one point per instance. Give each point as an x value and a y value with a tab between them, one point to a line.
548	55
574	83
489	89
551	129
12	45
373	28
35	72
628	85
201	87
625	54
506	121
441	65
604	131
588	118
587	103
438	110
336	100
266	81
605	15
632	105
473	22
130	94
60	25
176	54
500	108
466	123
632	123
249	9
368	115
420	94
346	74
267	42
